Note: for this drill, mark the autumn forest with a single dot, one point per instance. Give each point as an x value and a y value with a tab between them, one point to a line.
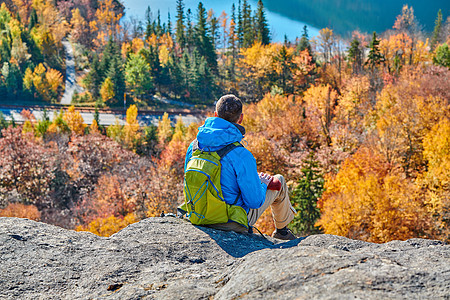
359	127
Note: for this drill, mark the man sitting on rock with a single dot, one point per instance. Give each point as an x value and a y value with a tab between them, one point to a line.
245	191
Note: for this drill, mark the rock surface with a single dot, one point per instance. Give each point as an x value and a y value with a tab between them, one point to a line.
167	258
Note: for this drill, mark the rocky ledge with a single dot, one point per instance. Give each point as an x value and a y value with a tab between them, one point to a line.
168	258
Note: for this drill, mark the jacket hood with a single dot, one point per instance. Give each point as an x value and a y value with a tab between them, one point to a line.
217	133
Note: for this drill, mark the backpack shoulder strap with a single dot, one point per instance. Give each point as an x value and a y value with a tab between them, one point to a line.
195	146
227	149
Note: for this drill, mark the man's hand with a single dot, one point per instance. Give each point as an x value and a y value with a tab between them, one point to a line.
265	178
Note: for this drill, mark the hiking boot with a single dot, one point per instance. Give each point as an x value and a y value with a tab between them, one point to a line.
284	234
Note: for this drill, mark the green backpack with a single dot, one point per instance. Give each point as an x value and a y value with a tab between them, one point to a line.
203	198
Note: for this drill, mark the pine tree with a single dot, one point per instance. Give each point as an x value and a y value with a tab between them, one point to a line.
232	44
247	24
355	56
304	43
33	20
285	61
375	57
117	76
214	27
203	39
169	24
305	196
180	36
263	33
159	28
240	25
437	31
442	57
189	31
95	77
149	29
175	75
97	116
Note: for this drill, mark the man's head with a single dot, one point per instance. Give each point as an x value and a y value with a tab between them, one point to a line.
229	107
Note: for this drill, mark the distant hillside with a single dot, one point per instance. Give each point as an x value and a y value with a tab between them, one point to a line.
345	16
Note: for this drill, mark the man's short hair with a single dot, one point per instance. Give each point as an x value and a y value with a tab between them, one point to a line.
229	107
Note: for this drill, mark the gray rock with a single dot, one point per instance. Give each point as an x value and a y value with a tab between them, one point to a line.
168	258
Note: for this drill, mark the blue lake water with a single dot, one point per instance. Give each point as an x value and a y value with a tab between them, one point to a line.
279	25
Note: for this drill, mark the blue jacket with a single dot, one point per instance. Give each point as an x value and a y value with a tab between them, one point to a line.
238	167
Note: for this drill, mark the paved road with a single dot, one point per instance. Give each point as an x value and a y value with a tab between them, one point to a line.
106	119
71	83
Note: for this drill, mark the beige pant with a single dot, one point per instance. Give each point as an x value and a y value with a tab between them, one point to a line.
282	211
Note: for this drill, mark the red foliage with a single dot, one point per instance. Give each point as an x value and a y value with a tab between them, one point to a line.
26	168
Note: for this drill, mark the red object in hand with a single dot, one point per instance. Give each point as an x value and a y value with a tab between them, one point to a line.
274	184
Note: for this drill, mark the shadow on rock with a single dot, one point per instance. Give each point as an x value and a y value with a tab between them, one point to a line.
240	244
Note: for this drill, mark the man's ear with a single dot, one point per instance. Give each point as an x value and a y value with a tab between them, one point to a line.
215	114
241	118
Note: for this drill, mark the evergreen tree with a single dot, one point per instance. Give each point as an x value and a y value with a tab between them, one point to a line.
240	25
214	28
117	76
13	80
33	20
375	56
185	70
180	36
137	75
232	44
262	28
95	77
285	61
110	53
152	59
5	50
304	43
304	197
169	24
175	75
203	39
159	28
247	23
355	56
435	40
42	126
442	57
189	31
97	116
150	28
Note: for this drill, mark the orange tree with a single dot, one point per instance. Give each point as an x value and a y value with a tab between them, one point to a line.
370	199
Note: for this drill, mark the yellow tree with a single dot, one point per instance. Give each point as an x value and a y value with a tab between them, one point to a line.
351	113
54	80
396	50
131	129
50	22
435	182
164	130
302	67
403	116
107	90
79	25
320	103
255	65
93	129
46	82
74	120
370	199
326	40
107	23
